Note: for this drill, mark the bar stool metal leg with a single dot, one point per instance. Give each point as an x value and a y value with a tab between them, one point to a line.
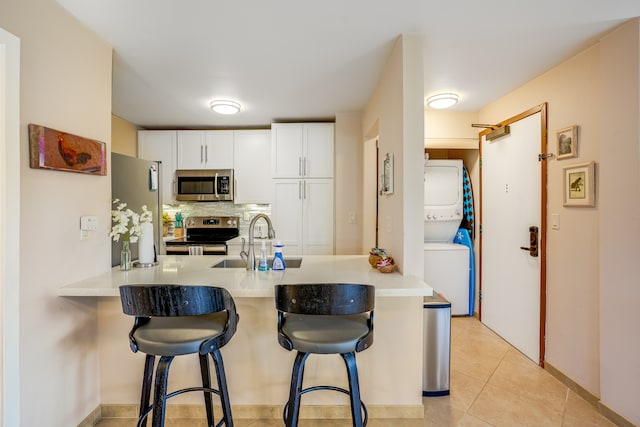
160	393
295	391
354	388
145	395
222	387
206	384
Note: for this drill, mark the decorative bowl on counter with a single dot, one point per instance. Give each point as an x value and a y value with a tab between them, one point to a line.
374	260
386	265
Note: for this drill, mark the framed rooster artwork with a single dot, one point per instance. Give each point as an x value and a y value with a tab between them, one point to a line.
58	150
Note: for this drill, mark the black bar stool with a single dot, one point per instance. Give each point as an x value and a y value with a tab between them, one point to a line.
174	320
325	319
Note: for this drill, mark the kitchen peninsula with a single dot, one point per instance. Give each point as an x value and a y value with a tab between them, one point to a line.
258	369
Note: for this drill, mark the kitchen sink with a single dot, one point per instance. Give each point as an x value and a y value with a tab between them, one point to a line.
239	263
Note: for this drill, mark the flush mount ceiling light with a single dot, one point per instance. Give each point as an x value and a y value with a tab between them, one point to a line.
442	100
224	107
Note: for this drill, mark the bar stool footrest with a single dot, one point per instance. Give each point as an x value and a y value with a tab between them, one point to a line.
177	392
332	388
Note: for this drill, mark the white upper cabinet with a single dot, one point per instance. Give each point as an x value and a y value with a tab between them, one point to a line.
160	145
302	150
210	149
318	150
252	168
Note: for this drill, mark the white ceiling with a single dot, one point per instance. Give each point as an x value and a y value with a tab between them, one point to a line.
302	60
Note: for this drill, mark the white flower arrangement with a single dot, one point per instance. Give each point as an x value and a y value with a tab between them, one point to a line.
127	223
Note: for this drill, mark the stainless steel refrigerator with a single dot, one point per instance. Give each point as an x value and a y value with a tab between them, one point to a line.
131	182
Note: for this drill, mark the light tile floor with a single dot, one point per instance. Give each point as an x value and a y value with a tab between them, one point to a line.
492	384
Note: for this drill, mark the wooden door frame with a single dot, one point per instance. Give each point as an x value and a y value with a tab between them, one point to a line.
542	241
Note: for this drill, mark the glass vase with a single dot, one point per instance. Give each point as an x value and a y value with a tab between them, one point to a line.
125	256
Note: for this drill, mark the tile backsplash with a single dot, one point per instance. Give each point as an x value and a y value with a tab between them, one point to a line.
219	209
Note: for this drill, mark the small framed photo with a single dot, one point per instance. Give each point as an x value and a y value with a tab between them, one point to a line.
386	178
579	185
567	143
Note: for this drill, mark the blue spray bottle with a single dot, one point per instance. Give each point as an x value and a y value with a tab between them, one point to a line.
278	260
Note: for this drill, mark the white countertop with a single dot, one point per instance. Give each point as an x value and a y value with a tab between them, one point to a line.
196	270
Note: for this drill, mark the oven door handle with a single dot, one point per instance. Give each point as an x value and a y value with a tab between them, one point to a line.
215	185
177	249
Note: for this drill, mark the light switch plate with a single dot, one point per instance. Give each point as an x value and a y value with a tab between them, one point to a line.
88	223
555	221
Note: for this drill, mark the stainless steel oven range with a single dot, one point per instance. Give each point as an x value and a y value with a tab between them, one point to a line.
205	235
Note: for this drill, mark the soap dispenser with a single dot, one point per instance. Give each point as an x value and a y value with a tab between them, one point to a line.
278	260
263	264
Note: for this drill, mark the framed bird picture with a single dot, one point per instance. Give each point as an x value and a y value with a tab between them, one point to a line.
579	185
58	150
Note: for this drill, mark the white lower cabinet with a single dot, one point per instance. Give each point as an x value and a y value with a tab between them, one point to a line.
302	215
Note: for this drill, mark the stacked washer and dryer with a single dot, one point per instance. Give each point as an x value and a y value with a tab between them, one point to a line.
446	264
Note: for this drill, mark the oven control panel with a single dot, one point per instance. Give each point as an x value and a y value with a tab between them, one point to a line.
212	222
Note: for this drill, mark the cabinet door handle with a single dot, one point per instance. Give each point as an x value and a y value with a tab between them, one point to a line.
299	166
299	189
206	153
305	189
201	154
304	166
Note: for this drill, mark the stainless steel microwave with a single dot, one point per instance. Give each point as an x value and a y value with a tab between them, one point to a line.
204	185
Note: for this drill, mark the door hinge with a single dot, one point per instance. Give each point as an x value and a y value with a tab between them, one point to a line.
479	295
544	156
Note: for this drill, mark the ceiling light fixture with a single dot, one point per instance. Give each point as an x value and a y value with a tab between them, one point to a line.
442	100
225	107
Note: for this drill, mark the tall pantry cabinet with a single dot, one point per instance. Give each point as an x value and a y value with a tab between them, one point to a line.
302	197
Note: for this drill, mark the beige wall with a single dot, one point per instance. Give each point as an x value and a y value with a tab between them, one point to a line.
450	129
592	267
348	183
124	137
619	222
9	227
65	84
395	112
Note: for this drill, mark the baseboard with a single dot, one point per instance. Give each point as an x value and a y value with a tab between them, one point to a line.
573	386
92	419
614	417
592	399
271	411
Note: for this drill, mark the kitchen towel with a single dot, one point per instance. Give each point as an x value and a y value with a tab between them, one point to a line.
145	244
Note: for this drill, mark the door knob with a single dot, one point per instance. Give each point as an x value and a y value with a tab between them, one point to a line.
533	242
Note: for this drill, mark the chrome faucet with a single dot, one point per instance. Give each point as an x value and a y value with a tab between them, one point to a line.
249	256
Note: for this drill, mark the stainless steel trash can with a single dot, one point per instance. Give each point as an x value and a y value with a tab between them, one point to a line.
437	346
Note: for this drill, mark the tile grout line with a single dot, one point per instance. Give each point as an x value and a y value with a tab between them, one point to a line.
484	387
564	409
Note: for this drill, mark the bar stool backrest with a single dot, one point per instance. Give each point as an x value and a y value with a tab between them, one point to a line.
325	299
148	301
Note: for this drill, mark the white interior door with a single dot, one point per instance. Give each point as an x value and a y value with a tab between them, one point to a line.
511	179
